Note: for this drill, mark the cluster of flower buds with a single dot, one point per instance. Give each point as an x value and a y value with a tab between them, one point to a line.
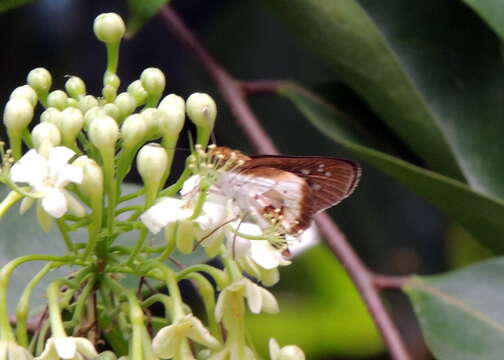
78	154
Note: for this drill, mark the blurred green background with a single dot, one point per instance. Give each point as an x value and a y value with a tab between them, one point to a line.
391	228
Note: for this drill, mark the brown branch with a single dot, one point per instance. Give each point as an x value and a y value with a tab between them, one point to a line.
234	93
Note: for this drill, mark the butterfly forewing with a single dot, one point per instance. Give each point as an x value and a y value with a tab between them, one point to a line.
329	179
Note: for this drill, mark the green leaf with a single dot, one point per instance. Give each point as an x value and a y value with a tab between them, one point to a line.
478	213
6	5
490	11
461	313
140	11
436	84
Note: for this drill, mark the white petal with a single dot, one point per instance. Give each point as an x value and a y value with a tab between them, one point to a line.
274	349
85	347
65	347
190	184
264	254
309	238
166	341
222	304
30	169
199	333
68	174
254	297
58	158
54	203
164	212
269	302
216	213
74	206
26	204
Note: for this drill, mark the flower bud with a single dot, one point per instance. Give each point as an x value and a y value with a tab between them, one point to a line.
111	110
103	133
151	164
17	116
91	114
109	93
46	131
51	115
133	130
125	103
150	116
153	81
289	352
57	99
75	87
26	92
138	92
185	236
87	102
172	115
40	80
202	110
71	124
109	28
111	79
92	181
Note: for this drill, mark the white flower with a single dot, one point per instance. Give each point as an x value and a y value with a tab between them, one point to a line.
171	340
48	178
232	352
68	348
258	298
9	350
289	352
164	212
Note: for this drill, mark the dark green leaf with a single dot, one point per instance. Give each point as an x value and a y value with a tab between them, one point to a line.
479	214
438	86
140	11
490	11
12	4
461	313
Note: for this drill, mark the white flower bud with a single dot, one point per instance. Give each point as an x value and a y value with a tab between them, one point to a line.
109	93
57	99
151	164
111	110
125	103
138	92
40	80
51	115
92	181
87	102
172	115
71	124
75	87
91	114
289	352
17	115
26	92
150	116
111	79
133	130
103	133
109	28
153	81
45	131
201	109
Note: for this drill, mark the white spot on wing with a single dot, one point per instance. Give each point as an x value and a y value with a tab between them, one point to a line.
305	172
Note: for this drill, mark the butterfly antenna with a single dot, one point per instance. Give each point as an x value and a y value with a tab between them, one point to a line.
213	232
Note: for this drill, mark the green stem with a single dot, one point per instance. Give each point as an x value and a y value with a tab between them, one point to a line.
173	288
198	207
138	246
11	198
64	233
219	276
171	241
112	56
94	226
81	303
128	208
132	195
6	332
53	296
22	308
173	189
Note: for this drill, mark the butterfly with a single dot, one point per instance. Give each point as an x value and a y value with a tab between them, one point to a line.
285	192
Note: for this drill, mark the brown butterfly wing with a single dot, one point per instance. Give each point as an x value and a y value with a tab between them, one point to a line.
329	179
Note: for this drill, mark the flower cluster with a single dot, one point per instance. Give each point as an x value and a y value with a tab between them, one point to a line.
79	153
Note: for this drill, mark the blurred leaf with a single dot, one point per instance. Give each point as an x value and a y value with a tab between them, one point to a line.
323	314
436	86
21	235
140	11
461	313
12	4
462	249
479	214
490	11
